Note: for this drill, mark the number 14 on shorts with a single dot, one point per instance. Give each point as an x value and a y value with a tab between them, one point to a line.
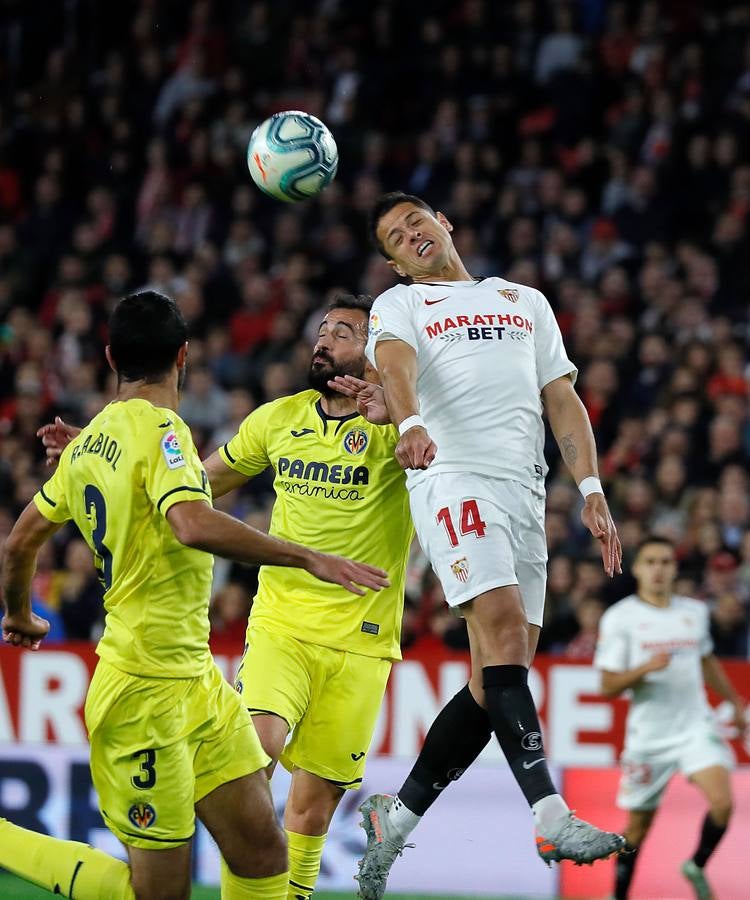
470	521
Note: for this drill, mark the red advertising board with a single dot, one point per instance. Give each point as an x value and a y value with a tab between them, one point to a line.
42	696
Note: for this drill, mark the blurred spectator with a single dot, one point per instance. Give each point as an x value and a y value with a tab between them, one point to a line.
204	404
588	614
729	627
81	596
230	607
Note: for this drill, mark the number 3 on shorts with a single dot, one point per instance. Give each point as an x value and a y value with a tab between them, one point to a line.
147	778
471	521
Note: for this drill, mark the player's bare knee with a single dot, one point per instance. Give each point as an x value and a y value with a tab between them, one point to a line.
314	820
258	855
502	640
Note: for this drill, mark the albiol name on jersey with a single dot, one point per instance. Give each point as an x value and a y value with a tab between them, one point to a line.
295	475
102	445
485	327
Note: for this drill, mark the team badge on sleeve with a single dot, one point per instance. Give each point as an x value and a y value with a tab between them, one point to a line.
355	441
509	294
170	447
376	326
460	569
142	815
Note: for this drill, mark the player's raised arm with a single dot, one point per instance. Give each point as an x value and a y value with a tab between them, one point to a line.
21	627
397	365
196	524
572	429
369	397
221	477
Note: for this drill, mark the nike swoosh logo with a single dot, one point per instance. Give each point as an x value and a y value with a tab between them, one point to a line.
357	756
303	432
439	787
530	765
431	302
166	424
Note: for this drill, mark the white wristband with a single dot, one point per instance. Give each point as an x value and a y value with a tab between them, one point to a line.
410	422
590	485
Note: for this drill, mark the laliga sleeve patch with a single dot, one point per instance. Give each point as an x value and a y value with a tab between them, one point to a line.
170	447
376	326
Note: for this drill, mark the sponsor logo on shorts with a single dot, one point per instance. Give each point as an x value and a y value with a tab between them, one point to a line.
238	686
532	741
460	569
357	756
370	628
355	441
142	815
509	294
170	447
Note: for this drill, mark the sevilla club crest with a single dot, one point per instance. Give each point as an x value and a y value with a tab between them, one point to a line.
460	569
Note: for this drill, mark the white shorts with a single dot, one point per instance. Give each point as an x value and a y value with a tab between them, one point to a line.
481	533
645	776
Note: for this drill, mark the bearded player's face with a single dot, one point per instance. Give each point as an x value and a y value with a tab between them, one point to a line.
340	348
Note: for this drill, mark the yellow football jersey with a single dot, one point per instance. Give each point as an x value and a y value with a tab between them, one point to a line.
338	489
116	481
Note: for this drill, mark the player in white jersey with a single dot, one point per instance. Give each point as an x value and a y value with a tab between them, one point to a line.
466	364
658	646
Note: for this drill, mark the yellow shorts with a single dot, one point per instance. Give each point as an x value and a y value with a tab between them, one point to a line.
329	698
159	745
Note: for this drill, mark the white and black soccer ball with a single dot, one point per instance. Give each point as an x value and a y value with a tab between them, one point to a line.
292	156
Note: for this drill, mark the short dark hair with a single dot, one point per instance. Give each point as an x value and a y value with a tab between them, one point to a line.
385	204
145	332
658	539
362	302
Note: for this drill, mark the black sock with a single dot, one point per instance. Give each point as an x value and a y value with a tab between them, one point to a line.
455	739
516	725
711	834
624	868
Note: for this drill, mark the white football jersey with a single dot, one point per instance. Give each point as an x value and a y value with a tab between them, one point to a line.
667	705
485	349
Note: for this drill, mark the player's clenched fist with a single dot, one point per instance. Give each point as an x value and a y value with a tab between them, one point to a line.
24	630
416	449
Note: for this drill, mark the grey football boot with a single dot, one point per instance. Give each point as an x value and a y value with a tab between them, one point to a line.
572	838
384	844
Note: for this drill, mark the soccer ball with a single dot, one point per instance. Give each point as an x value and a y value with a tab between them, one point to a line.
292	156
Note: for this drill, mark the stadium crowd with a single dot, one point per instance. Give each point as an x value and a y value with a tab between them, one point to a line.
595	150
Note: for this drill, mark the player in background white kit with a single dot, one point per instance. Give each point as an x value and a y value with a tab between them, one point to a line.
466	365
658	646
